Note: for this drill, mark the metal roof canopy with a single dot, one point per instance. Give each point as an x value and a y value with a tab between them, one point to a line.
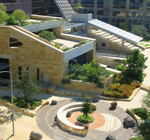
116	31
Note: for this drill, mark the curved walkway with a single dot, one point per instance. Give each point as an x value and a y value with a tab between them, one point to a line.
47	114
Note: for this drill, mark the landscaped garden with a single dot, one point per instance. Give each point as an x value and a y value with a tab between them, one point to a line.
144	114
123	87
29	89
18	17
20	102
90	72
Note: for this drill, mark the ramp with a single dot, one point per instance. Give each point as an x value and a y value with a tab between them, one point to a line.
65	8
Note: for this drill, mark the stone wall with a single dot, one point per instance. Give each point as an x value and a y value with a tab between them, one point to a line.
33	54
86	86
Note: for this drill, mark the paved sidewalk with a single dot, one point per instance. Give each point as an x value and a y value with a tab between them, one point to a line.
146	81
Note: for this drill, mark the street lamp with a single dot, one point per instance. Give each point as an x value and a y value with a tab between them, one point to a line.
11	81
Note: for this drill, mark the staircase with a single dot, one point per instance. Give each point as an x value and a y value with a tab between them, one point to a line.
65	8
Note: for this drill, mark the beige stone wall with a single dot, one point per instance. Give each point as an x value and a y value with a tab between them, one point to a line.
86	86
34	54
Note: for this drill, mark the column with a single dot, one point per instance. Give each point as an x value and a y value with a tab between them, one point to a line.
95	8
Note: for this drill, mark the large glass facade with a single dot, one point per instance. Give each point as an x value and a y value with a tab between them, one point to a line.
136	4
119	3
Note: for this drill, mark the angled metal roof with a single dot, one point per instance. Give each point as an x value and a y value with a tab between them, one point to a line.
116	31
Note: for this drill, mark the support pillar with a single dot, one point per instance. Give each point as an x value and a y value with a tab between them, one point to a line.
95	8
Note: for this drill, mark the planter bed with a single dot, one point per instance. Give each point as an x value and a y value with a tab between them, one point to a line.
27	111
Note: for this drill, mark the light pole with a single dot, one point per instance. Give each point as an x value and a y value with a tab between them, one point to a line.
11	83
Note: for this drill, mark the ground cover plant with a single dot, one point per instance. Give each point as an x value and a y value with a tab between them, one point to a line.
90	72
122	88
20	102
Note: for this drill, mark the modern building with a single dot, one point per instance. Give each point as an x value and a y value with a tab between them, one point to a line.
110	11
22	49
115	11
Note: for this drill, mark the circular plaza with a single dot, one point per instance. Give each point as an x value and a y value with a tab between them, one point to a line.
107	121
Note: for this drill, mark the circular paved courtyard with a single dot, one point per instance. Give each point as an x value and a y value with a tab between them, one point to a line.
113	123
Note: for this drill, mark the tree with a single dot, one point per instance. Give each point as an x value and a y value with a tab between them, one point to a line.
146	102
123	25
87	106
141	31
134	65
47	35
3	16
28	87
20	15
2	7
145	130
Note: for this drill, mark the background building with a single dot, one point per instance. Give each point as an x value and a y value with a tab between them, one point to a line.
115	11
12	5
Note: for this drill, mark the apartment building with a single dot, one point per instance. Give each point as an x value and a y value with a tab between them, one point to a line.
12	5
115	11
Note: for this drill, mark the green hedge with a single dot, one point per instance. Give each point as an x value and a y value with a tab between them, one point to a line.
141	112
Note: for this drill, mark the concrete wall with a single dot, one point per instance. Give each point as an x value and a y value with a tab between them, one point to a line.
43	26
34	54
81	17
70	54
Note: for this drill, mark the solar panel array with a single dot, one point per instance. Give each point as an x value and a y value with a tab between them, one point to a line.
65	8
116	31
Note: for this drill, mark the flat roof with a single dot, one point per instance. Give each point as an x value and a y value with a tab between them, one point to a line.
116	31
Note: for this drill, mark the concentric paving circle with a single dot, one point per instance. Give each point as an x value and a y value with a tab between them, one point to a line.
98	120
112	123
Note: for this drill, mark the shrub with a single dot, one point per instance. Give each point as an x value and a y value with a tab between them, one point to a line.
3	16
22	103
20	15
11	20
145	130
141	112
2	7
47	35
120	67
121	90
66	80
90	72
85	119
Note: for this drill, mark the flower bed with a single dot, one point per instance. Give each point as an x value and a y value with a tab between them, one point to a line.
122	88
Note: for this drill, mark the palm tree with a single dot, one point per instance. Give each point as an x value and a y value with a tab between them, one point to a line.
87	106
